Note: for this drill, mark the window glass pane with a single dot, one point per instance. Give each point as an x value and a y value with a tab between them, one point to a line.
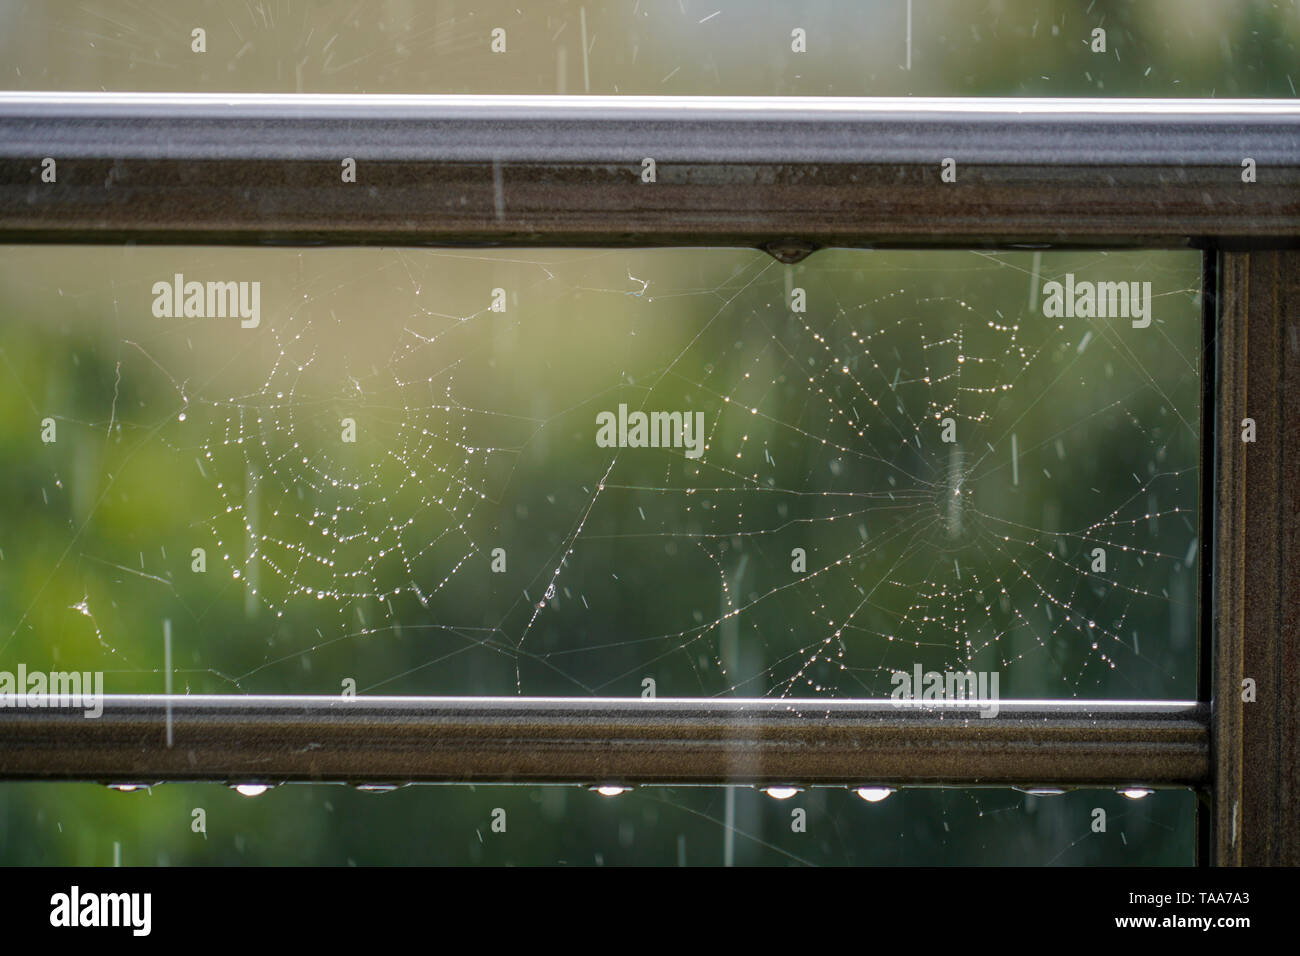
570	472
1158	48
83	824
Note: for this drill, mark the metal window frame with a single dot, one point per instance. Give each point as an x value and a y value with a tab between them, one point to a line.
788	175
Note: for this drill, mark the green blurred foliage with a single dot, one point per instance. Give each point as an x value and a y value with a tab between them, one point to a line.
85	825
372	560
1172	48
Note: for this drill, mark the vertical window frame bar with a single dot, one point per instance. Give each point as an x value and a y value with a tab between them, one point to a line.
1256	555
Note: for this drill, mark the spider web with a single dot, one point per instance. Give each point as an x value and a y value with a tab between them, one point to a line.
824	433
475	538
373	560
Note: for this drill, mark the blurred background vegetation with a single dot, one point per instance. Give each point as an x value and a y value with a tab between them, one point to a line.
1220	48
97	529
325	560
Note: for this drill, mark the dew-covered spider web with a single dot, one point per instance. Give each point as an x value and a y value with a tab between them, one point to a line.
396	477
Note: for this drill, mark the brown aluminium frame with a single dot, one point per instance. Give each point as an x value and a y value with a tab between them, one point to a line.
1257	562
787	175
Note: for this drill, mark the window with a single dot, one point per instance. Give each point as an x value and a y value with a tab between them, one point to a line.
340	396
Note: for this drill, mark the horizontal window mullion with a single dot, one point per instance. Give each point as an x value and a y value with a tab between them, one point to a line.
787	175
233	739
